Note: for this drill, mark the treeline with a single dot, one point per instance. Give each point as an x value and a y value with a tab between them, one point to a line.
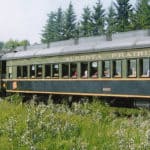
121	16
12	44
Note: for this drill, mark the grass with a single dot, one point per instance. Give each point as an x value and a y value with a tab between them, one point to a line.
93	126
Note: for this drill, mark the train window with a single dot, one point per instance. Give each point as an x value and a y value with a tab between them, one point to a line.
73	70
25	71
32	71
84	69
55	70
9	72
132	72
117	69
94	69
144	67
19	74
106	68
39	71
47	70
65	70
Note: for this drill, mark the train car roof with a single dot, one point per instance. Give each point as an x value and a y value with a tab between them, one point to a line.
120	41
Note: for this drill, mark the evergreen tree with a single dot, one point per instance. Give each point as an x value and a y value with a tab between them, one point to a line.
142	15
111	21
86	23
60	24
49	31
123	14
98	19
70	22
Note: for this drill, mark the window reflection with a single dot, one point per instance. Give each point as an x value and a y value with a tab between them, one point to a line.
47	71
117	69
55	71
9	72
106	69
132	72
94	69
84	70
65	70
144	67
39	71
73	70
25	71
19	72
32	71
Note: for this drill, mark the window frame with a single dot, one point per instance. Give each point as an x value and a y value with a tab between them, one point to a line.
55	75
147	75
39	70
104	71
128	69
23	71
95	75
19	76
84	73
114	70
73	70
32	75
65	76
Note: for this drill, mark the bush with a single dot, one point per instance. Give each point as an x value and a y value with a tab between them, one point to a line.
83	126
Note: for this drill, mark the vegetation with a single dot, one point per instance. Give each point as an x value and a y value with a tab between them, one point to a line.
86	22
142	14
82	127
122	16
12	44
124	12
98	19
1	45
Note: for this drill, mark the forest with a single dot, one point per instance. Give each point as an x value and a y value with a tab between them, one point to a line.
121	16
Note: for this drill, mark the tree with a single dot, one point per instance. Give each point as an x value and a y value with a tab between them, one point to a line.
98	19
11	44
86	23
142	15
70	22
124	11
1	45
24	43
60	24
49	31
111	21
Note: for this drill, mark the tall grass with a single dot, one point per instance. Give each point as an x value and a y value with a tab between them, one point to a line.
85	126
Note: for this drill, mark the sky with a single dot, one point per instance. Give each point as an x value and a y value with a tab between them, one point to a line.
24	19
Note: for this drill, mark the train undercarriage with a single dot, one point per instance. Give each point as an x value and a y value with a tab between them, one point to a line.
70	99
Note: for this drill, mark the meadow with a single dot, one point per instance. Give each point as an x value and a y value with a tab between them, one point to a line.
86	126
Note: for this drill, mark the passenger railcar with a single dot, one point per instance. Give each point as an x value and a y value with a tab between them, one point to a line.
91	66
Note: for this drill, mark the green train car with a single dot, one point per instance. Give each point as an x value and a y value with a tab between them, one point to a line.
89	66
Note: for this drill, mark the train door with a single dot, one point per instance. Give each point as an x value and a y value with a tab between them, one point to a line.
2	76
3	70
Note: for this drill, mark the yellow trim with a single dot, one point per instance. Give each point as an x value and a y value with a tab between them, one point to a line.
90	79
82	94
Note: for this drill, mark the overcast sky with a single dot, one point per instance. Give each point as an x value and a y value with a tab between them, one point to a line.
24	19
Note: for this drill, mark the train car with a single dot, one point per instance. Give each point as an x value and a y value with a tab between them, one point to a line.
117	67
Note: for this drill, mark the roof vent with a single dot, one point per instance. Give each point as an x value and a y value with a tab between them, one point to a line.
48	45
108	36
76	41
149	32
